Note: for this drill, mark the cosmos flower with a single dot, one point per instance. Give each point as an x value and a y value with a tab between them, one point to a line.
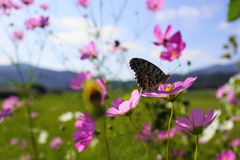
85	126
11	103
103	91
27	2
4	114
147	135
154	5
77	82
197	122
226	155
122	107
221	91
172	52
83	3
89	51
56	143
18	35
166	38
44	6
235	142
171	91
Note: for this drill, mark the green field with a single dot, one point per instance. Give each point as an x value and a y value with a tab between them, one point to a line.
122	145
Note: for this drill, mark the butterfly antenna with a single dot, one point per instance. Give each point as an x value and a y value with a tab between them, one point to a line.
175	68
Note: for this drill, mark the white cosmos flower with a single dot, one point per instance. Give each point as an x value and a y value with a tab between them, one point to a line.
66	117
43	137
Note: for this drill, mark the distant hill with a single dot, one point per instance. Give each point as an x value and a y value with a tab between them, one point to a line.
210	77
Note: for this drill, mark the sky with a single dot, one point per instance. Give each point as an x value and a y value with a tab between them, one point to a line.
202	24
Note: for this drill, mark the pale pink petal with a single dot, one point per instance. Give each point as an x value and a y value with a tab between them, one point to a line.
158	33
168	31
197	117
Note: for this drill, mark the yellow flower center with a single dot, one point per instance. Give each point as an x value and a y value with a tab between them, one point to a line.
174	53
169	88
225	158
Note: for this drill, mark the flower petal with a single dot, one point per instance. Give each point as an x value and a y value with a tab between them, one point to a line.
168	31
158	33
183	124
196	117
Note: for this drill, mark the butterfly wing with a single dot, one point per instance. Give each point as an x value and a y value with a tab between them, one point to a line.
147	75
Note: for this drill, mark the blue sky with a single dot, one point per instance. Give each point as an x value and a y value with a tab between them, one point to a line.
202	24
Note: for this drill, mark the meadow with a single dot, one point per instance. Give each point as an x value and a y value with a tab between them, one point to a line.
120	133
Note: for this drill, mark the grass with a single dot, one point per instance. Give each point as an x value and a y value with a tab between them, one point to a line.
121	134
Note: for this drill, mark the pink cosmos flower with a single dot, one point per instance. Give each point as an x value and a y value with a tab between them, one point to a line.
197	122
4	114
173	52
18	35
44	6
83	3
121	107
16	5
221	91
154	5
101	82
14	141
164	134
231	98
171	91
148	136
117	47
25	157
56	143
166	39
27	2
85	131
23	144
226	155
11	103
34	115
31	23
6	5
89	51
43	21
235	142
77	82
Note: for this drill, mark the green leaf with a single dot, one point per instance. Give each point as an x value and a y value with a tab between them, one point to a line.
233	41
233	10
227	55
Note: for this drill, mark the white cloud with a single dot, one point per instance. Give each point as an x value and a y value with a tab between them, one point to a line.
190	54
134	47
80	30
188	12
223	25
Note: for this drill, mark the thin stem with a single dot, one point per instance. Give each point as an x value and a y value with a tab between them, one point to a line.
32	137
196	150
104	140
140	138
169	125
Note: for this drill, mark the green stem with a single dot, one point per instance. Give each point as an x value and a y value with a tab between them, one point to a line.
104	140
140	138
169	125
196	150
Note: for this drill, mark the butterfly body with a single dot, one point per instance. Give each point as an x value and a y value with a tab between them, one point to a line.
147	75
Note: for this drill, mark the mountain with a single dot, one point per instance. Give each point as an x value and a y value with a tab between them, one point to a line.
55	81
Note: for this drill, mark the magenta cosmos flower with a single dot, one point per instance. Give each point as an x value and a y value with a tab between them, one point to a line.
154	5
83	3
221	91
89	51
44	6
6	5
235	142
226	155
85	131
77	82
171	91
27	2
121	107
56	143
197	122
4	114
11	103
166	39
173	52
31	23
18	35
43	21
147	135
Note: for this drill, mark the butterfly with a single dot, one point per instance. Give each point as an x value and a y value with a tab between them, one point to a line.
147	75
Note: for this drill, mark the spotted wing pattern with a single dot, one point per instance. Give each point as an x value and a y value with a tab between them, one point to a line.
147	75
